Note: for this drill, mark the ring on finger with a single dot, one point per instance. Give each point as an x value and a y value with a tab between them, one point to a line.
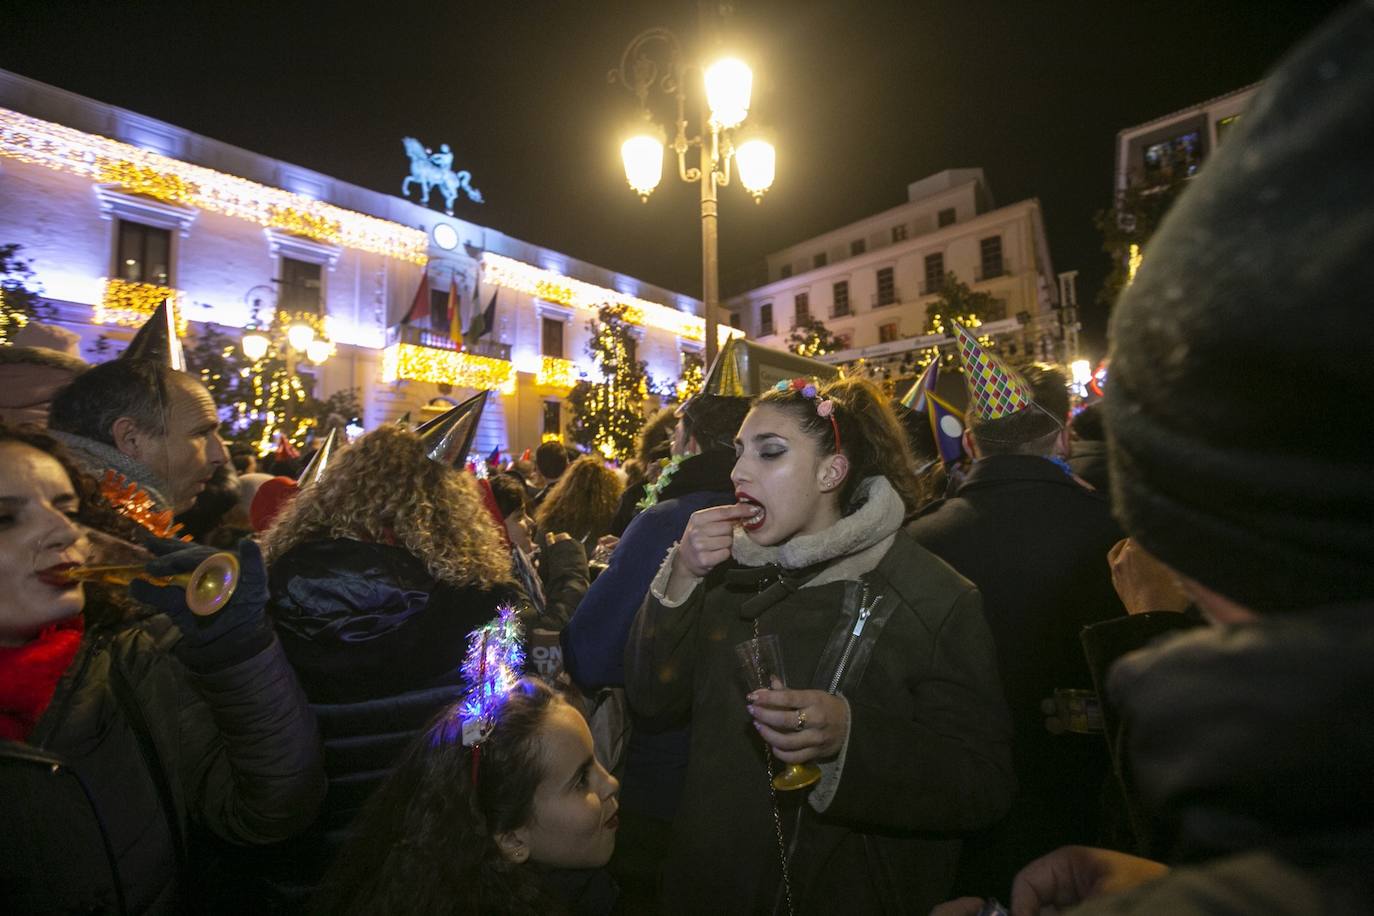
801	720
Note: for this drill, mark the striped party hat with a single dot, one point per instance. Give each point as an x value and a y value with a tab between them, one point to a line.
995	390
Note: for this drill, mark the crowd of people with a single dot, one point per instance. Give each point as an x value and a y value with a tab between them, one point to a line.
807	651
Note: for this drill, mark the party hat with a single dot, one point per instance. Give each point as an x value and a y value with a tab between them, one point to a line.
727	374
448	437
915	398
157	339
995	390
403	420
315	469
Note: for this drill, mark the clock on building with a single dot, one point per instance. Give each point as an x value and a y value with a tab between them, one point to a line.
445	236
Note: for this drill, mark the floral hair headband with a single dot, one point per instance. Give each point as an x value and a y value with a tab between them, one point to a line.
825	407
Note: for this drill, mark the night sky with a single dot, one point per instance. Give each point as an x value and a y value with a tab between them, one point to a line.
862	97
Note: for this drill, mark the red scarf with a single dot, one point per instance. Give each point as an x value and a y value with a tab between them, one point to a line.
29	676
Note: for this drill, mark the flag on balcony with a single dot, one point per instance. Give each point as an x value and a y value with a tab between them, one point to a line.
455	322
419	306
482	322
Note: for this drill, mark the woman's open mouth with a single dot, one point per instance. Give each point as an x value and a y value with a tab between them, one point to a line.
755	521
55	576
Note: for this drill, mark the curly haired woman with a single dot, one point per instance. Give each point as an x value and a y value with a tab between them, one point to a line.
582	503
378	571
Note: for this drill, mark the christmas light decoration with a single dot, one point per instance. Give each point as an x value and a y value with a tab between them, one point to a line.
499	270
140	171
557	373
1133	263
451	367
693	376
11	320
127	303
607	414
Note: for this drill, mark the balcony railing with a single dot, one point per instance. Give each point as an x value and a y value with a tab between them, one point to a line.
991	271
883	300
426	337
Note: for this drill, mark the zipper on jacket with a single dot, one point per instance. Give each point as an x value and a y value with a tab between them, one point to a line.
865	611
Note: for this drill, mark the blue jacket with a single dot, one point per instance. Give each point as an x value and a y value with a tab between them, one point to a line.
594	640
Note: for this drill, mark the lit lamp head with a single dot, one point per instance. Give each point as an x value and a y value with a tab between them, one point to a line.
300	336
255	345
317	351
729	82
642	154
757	163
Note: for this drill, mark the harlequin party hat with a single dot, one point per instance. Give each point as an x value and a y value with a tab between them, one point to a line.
157	339
448	437
995	390
318	461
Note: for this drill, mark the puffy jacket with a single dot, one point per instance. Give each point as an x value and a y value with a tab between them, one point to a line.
133	752
377	643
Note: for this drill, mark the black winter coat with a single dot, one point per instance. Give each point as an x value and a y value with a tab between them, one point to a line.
377	643
927	755
1252	747
132	752
1035	543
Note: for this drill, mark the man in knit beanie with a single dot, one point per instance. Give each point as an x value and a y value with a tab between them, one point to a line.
1241	431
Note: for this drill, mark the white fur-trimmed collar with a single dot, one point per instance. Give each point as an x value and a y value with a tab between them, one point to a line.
858	541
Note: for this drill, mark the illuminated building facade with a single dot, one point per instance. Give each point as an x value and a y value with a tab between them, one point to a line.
1180	140
117	211
870	282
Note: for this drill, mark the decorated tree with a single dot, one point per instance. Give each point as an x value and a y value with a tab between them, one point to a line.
1129	225
693	376
258	400
812	338
956	300
19	299
607	414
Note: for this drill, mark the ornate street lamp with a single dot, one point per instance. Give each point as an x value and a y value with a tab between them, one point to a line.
654	59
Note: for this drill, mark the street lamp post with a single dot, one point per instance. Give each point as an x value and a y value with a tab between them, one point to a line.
727	86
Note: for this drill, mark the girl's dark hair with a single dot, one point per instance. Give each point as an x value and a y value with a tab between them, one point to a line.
104	604
426	842
870	435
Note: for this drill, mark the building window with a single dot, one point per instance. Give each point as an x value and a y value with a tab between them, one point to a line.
857	247
734	320
899	233
1181	154
819	260
887	289
766	319
300	286
841	299
990	253
145	253
551	337
887	333
802	305
945	217
553	418
935	273
844	340
785	271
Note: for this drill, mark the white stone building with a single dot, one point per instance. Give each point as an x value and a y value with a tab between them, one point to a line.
1184	138
117	211
870	282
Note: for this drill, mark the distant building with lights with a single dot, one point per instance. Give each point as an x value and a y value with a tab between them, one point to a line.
870	282
117	211
1183	139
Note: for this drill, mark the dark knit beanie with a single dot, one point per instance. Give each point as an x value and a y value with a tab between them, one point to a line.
1240	401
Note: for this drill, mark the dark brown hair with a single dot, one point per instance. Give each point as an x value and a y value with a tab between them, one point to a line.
870	435
426	842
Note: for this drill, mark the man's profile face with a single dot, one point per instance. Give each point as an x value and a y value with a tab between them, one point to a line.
190	450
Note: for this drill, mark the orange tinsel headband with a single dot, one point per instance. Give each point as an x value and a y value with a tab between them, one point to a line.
825	407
